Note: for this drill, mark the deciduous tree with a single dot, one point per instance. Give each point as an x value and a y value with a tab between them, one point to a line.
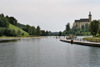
94	27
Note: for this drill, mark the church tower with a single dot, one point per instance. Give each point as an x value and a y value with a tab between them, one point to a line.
90	17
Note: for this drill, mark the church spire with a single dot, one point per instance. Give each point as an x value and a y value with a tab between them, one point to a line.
89	13
90	17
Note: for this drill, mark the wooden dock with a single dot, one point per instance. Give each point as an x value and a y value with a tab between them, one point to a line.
96	44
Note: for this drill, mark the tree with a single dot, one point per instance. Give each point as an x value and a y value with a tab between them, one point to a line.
26	28
13	21
2	30
1	15
18	32
94	27
32	30
38	31
46	33
6	32
4	22
43	33
14	32
60	33
99	29
67	28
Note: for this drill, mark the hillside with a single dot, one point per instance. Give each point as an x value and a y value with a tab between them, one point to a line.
16	29
9	26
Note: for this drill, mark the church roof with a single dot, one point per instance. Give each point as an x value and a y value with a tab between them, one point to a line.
82	20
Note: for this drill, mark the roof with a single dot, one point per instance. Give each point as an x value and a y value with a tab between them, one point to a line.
82	20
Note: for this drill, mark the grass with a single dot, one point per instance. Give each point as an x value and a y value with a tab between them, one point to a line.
16	29
92	39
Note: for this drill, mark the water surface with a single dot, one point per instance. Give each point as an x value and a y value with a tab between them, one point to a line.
47	52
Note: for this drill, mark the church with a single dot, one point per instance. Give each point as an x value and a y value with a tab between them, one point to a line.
82	22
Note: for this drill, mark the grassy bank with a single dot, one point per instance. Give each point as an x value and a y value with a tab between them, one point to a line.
92	39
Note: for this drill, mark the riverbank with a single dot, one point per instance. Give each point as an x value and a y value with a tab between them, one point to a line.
6	39
82	42
92	39
19	37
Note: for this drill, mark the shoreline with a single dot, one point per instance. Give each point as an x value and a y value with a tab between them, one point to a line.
20	37
7	39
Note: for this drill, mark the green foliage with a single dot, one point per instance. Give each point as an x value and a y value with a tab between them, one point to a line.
3	21
30	29
76	31
13	21
8	28
60	33
7	32
2	30
92	39
1	15
45	33
53	33
26	28
94	27
20	25
67	30
19	32
38	31
16	30
98	35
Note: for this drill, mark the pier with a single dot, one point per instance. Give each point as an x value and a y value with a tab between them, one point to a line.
96	44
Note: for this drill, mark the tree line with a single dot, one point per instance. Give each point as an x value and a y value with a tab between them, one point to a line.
35	31
75	31
32	30
4	25
93	28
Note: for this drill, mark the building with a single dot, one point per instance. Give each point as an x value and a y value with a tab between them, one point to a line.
82	22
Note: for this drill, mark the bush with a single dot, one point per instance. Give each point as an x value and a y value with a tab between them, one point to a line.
92	39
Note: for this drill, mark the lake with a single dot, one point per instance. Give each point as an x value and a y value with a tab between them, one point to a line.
47	52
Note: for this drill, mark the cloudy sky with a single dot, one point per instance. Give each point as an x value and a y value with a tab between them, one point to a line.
50	15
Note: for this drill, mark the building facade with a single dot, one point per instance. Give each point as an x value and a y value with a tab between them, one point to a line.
82	22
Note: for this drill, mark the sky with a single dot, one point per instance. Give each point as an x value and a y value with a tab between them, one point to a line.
51	15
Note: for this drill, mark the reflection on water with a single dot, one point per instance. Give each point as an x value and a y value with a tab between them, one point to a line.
3	41
47	52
